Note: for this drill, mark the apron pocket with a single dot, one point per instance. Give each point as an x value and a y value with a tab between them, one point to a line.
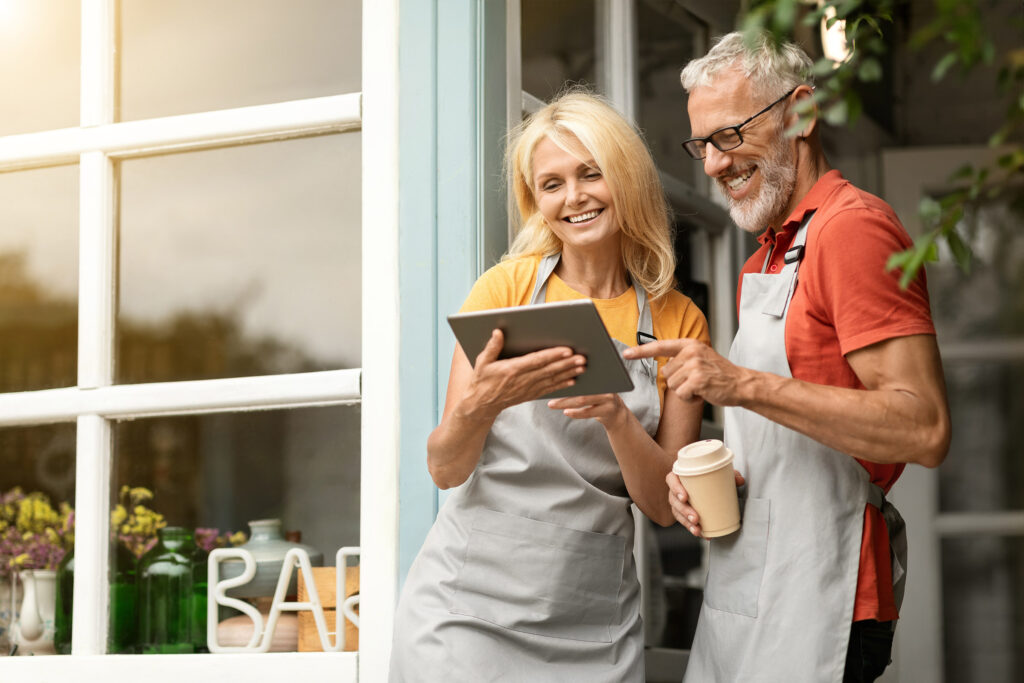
540	578
737	562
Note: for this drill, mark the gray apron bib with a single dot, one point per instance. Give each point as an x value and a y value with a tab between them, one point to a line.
779	598
528	572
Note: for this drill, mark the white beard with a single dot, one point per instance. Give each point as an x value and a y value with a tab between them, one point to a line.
763	210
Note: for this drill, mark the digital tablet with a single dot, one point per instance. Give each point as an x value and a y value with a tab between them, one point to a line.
575	324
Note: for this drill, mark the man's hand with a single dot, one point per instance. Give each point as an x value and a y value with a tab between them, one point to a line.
679	499
696	371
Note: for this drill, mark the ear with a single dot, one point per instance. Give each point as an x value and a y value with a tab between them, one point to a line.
803	104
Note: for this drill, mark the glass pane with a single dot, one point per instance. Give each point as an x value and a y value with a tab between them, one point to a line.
212	475
984	471
241	261
44	34
668	39
558	45
983	609
989	302
38	279
194	55
37	492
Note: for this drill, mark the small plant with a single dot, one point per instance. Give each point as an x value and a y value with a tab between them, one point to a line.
133	523
210	539
33	534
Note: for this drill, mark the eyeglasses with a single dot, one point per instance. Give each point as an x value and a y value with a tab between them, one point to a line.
725	139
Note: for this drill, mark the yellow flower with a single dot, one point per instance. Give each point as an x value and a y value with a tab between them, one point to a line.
118	515
19	560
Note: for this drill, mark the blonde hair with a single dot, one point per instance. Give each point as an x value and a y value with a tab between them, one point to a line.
625	162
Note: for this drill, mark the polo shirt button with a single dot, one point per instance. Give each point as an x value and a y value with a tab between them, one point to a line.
773	268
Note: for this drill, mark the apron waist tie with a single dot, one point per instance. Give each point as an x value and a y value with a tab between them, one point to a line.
897	529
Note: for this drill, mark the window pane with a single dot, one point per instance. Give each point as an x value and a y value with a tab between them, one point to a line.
220	472
39	65
558	44
194	55
37	476
976	315
38	278
667	39
983	609
241	261
989	302
984	471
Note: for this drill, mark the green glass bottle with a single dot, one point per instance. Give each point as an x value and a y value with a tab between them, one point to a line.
63	599
121	631
172	613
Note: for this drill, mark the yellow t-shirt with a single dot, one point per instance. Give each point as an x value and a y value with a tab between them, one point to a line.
511	282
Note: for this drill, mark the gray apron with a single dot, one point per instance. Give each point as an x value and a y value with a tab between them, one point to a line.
528	573
779	598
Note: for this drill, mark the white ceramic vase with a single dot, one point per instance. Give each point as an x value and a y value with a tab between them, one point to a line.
33	630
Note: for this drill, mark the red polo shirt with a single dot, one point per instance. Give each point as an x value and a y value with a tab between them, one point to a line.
845	301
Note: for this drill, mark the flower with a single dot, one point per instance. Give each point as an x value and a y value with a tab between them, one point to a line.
33	534
134	524
208	539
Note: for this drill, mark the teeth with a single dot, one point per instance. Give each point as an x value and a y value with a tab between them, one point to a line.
735	183
583	217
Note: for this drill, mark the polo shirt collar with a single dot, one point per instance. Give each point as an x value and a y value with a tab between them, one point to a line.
811	201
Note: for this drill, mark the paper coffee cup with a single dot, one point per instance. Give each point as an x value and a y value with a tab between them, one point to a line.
705	470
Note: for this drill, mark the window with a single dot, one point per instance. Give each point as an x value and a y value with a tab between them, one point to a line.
181	296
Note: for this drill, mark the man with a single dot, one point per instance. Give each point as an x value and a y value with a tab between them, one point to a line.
832	385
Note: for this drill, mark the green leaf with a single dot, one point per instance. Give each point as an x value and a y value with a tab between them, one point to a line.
963	173
836	114
929	210
943	65
899	259
823	67
870	70
785	15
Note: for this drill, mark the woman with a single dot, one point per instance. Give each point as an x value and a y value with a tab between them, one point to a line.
528	572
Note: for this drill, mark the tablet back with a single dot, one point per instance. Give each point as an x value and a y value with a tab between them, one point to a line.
575	324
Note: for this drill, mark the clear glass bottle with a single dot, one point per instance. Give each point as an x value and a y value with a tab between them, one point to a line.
172	595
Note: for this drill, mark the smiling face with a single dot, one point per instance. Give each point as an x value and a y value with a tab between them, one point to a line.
573	196
758	178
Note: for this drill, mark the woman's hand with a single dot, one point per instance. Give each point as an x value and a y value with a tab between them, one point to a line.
477	394
679	499
498	384
608	409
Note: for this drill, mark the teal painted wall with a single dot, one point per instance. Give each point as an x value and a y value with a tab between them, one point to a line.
452	221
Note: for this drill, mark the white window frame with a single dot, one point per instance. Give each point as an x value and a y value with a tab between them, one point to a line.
96	402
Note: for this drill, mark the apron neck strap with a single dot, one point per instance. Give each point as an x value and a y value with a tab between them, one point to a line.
795	253
645	323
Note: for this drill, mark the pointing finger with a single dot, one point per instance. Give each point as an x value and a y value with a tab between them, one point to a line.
663	348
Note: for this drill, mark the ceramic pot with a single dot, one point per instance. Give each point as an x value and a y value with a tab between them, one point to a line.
268	547
33	632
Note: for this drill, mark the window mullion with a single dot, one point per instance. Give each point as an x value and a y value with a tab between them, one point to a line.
96	307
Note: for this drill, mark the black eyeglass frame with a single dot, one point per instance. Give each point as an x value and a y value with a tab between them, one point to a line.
735	129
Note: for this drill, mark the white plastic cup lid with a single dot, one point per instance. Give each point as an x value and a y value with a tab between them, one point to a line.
701	457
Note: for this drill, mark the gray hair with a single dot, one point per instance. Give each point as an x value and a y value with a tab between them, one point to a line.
772	69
